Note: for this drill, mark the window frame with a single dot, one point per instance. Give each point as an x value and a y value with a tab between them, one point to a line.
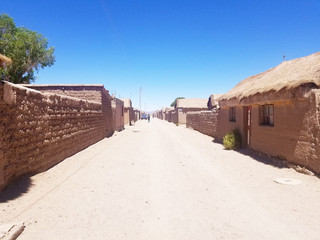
267	115
232	114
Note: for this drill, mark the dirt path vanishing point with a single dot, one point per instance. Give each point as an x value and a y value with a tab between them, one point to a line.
158	181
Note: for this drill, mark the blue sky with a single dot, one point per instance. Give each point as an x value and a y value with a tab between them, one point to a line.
170	48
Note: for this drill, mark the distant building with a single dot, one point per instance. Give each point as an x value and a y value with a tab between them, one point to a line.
128	111
117	114
183	106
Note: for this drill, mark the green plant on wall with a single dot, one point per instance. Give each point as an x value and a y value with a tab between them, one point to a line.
232	140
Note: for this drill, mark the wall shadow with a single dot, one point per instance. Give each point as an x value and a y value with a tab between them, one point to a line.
263	158
260	157
16	188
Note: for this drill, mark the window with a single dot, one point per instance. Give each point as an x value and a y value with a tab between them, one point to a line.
232	114
267	115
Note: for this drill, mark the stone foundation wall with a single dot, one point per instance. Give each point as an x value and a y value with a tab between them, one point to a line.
38	130
206	122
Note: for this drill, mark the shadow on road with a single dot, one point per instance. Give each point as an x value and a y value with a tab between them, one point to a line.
260	157
265	159
16	188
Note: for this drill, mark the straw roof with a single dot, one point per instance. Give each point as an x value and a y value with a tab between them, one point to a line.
126	102
192	103
287	75
4	59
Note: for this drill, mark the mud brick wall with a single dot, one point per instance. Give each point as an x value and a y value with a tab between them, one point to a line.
38	130
206	122
226	126
118	114
295	135
92	92
127	114
85	92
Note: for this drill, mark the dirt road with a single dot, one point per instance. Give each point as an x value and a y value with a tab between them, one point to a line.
159	181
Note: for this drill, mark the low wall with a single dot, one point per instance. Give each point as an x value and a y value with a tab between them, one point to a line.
38	130
205	122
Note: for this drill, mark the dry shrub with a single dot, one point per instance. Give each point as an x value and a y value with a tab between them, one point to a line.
232	140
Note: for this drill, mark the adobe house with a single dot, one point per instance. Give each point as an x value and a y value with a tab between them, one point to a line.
117	114
168	113
128	111
277	111
163	114
183	106
173	116
136	115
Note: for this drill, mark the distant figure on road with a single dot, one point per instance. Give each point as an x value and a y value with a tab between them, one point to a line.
148	117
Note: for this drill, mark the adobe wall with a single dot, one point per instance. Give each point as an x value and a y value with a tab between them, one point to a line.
182	114
126	116
295	135
307	149
85	92
174	116
131	113
118	114
38	130
206	122
92	92
226	126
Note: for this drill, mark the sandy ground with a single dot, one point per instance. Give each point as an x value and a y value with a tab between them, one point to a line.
159	181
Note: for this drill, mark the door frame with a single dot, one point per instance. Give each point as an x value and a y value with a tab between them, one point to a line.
247	125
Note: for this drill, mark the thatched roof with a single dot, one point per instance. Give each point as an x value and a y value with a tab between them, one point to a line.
200	103
4	59
127	102
287	75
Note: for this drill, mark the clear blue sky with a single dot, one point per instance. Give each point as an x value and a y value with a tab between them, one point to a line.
170	48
